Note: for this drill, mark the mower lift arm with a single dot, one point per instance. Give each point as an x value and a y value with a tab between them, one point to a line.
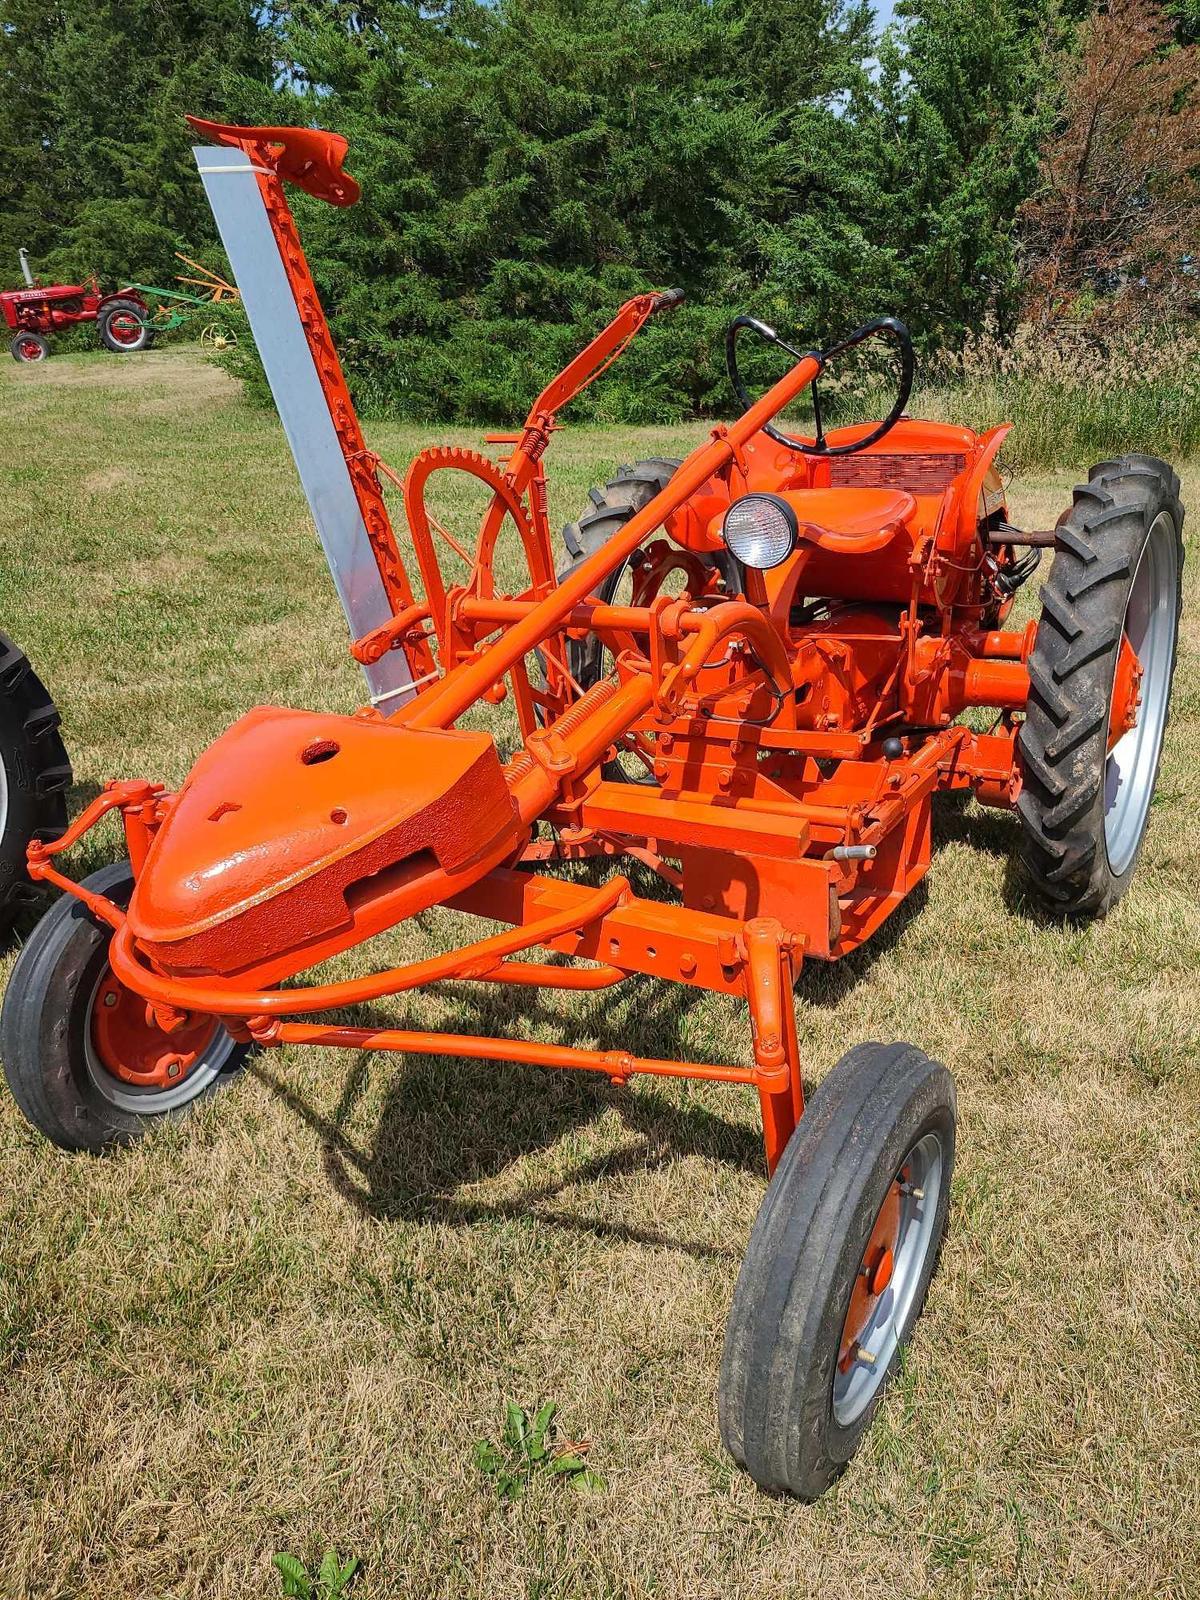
604	349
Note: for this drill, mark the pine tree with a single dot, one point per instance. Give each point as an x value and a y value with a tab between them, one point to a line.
953	149
93	102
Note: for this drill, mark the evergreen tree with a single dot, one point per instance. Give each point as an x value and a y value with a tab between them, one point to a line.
31	176
528	164
953	148
92	100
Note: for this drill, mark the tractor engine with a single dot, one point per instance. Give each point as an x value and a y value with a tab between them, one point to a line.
874	569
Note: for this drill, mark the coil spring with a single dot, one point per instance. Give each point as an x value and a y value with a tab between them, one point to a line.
522	764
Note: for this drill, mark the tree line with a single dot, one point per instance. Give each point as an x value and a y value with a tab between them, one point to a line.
527	164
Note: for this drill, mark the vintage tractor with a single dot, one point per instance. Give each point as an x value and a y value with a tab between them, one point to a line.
38	310
127	321
812	646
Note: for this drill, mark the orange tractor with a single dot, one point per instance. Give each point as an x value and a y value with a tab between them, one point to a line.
747	676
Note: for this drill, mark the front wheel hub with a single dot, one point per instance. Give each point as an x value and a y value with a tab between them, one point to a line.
128	1044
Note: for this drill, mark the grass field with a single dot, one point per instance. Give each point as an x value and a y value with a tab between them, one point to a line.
284	1323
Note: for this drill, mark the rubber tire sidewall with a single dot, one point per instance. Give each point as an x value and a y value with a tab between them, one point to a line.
789	1307
42	1025
24	810
37	773
622	497
115	308
24	361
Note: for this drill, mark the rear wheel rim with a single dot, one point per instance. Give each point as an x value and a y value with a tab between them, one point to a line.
126	328
890	1273
1150	624
121	1047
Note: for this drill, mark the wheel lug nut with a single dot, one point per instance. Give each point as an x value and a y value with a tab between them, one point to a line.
110	999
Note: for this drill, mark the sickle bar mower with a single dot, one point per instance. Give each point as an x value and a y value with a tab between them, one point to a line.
783	638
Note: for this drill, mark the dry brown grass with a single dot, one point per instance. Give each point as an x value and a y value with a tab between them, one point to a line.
284	1322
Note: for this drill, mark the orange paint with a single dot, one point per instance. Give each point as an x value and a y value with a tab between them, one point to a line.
1126	692
132	1046
873	1276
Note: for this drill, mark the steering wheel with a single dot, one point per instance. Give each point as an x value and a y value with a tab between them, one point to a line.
881	328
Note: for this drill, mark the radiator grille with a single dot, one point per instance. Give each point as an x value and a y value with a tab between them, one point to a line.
918	474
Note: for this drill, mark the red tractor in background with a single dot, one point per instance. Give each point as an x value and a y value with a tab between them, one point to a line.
38	310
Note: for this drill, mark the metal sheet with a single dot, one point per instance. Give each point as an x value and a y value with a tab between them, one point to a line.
245	229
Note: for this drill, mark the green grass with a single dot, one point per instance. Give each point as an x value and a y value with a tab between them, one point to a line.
285	1324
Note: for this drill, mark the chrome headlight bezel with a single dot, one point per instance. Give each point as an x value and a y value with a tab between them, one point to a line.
767	545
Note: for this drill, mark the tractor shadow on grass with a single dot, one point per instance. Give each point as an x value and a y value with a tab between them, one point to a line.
448	1121
991	832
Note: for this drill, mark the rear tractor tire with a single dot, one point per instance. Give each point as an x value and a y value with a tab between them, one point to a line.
611	508
35	774
125	328
1089	755
622	497
838	1267
82	1054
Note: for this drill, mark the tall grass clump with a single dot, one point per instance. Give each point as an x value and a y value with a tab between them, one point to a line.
1073	397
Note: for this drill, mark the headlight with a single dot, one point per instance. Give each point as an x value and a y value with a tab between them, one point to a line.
760	530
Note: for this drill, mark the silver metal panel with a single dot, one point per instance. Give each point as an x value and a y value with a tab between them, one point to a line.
245	230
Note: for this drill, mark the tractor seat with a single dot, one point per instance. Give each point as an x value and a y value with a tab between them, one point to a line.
850	521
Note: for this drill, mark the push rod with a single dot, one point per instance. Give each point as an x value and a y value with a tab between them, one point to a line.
613	1063
223	999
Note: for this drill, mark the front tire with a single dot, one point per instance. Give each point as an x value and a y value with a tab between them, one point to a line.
1087	786
838	1267
82	1056
28	347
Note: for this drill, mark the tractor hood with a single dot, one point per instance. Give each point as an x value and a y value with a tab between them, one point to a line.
299	833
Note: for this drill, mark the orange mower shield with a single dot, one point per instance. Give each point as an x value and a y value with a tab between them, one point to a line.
299	831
